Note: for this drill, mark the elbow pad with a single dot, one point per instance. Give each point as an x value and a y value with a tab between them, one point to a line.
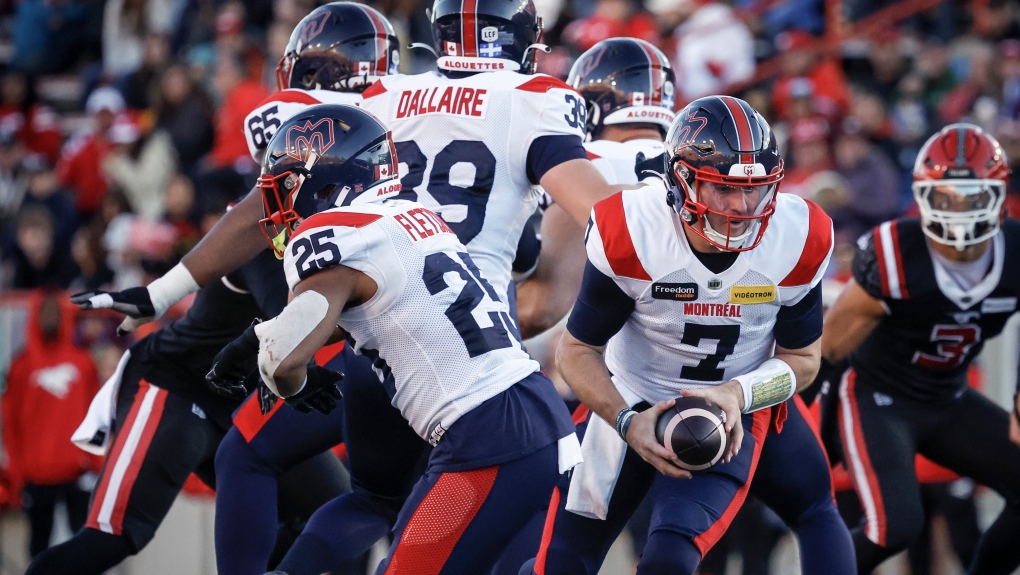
287	331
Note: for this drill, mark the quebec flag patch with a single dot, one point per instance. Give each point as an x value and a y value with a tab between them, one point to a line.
490	49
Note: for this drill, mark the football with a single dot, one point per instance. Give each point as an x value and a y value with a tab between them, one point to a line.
693	430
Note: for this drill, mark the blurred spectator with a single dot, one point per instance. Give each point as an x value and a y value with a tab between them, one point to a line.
43	189
80	165
714	48
1008	134
611	19
800	59
809	154
180	204
13	181
48	35
127	24
239	94
887	61
141	165
1009	76
977	91
184	112
49	388
35	124
36	261
90	257
874	183
138	86
870	116
932	65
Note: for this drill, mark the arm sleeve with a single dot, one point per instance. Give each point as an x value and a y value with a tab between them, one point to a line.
547	152
799	325
601	308
264	279
865	267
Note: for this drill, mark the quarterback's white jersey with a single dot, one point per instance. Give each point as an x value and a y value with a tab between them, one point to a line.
691	327
616	160
465	143
434	320
262	122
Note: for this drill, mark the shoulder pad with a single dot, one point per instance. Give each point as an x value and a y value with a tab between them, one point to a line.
865	267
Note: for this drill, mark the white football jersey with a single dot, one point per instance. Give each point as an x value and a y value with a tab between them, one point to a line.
692	327
463	143
434	321
616	160
262	122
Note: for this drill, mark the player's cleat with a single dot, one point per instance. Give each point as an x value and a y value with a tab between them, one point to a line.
693	430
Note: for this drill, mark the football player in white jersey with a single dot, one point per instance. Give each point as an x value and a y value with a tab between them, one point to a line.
716	297
628	86
395	277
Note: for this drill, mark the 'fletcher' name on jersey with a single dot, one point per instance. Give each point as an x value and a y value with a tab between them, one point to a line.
449	100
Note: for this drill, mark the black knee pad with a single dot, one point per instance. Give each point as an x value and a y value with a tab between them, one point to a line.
89	552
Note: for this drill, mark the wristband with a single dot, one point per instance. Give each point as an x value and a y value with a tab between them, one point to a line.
171	288
771	384
623	422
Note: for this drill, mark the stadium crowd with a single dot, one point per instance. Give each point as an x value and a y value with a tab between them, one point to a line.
121	141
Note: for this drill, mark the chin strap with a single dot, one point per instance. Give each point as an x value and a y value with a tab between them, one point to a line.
423	46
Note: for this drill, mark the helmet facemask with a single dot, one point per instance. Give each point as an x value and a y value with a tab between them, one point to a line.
708	202
960	212
279	193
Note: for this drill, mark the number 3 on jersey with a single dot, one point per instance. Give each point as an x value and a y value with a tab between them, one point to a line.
473	198
477	339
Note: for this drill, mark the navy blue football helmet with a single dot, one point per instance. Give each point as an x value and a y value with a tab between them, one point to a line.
623	81
326	156
341	46
485	35
722	143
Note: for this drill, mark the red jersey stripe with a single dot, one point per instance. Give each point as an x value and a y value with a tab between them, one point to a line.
544	84
816	248
880	255
248	418
894	232
326	353
291	96
374	90
616	241
345	219
592	155
137	459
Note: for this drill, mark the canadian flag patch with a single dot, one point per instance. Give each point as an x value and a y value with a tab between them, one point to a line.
364	68
452	49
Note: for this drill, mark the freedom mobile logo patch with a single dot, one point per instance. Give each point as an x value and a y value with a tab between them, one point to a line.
752	294
675	292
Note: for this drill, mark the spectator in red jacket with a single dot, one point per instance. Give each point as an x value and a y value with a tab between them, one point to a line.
80	166
35	124
49	388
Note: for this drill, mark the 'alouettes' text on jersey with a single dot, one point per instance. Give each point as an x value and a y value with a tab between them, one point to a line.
471	167
435	321
934	329
262	122
616	160
691	327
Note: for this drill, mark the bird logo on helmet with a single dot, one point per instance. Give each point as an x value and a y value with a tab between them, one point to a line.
341	46
960	179
329	155
719	146
485	35
624	80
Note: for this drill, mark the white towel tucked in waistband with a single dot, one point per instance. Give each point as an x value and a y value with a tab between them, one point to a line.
93	435
592	484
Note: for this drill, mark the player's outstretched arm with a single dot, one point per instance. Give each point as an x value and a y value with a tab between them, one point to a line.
852	318
577	185
549	293
234	240
584	368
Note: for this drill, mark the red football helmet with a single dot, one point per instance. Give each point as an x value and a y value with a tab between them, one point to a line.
960	180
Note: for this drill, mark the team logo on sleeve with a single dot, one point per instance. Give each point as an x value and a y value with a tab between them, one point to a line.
303	140
752	294
675	292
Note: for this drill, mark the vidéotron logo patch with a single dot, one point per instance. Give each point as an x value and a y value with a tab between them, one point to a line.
752	294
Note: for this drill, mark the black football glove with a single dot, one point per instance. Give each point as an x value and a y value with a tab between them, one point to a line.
133	302
267	399
234	371
649	167
319	393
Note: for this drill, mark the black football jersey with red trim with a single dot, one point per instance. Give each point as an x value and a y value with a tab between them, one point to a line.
934	329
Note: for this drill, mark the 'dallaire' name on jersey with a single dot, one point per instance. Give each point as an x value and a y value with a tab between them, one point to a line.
934	329
692	327
435	323
463	145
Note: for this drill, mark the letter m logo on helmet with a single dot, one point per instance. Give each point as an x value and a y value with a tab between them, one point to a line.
307	138
312	28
